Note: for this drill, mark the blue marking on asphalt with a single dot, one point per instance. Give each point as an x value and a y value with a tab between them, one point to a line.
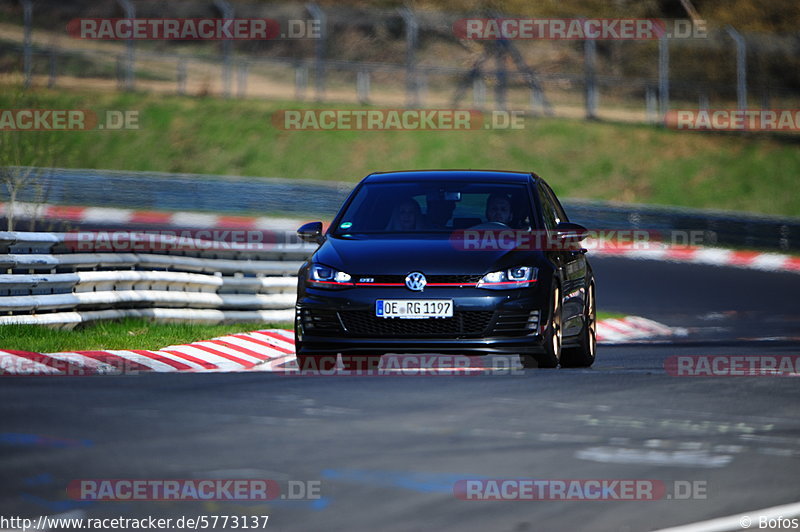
55	506
315	504
320	504
37	440
38	480
420	482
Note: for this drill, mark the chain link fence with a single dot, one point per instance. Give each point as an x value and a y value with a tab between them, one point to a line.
402	57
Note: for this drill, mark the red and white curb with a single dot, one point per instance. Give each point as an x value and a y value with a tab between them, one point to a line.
756	260
263	350
633	329
106	215
236	352
774	262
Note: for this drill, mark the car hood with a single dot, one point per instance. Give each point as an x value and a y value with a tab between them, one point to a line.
399	256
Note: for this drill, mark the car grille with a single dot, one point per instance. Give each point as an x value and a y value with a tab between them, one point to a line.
463	323
516	324
320	321
432	279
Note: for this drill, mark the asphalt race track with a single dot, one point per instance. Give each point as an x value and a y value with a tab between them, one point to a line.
388	450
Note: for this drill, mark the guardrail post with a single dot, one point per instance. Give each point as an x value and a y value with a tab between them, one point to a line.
242	79
227	13
422	88
362	86
181	75
783	240
589	59
537	100
53	67
741	67
502	78
118	72
651	104
319	48
478	93
27	16
749	238
765	99
300	81
130	12
663	76
412	34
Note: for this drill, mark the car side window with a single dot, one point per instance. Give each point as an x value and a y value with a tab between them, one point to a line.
561	215
548	209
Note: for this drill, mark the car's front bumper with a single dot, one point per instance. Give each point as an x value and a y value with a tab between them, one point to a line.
484	322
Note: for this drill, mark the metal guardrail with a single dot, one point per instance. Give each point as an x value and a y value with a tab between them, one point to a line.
722	229
238	195
45	280
181	192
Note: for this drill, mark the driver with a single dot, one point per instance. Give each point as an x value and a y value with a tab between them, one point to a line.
406	216
498	209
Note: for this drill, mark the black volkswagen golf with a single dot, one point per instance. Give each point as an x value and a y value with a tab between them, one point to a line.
454	261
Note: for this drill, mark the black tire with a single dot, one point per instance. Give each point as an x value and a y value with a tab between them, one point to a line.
361	362
583	355
552	337
317	363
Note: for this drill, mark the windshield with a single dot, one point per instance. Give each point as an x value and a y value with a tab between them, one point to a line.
435	207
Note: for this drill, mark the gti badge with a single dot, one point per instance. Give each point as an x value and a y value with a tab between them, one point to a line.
416	281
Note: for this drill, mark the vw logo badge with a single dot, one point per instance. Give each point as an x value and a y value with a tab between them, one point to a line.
416	281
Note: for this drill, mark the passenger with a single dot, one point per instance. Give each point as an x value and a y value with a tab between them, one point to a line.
498	209
406	216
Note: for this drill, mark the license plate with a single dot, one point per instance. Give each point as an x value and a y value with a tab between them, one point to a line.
414	308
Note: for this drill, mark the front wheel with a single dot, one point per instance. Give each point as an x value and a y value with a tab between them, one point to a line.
552	337
583	355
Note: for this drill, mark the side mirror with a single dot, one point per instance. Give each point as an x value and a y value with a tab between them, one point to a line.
311	232
571	232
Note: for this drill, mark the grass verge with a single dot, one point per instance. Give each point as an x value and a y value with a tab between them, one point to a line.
124	334
601	315
597	160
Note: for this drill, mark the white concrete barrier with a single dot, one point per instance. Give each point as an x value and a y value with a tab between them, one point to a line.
45	278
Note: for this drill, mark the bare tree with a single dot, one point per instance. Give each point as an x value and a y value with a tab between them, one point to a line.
25	156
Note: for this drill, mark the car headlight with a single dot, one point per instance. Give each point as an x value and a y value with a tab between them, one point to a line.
519	277
327	277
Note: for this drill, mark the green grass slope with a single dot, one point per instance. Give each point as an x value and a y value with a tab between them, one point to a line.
607	161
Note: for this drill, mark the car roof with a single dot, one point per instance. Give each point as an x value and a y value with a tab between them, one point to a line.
450	175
